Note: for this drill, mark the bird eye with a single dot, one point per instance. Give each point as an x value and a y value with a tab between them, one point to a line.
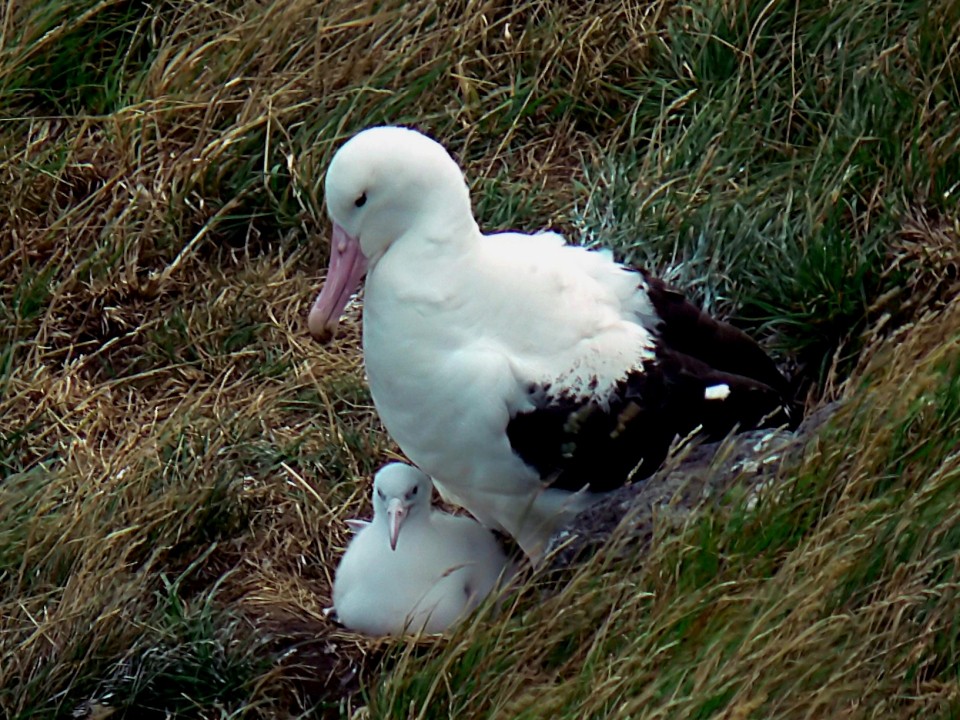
415	488
361	201
381	495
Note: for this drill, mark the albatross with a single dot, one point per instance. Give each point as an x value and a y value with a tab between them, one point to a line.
522	374
412	568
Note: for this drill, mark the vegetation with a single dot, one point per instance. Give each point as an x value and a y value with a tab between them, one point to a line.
177	458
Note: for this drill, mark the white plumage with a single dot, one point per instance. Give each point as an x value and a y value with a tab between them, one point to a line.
514	369
413	568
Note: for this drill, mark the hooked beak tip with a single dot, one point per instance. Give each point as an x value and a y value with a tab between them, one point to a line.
323	335
322	328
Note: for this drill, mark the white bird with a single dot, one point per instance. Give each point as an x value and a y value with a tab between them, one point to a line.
413	568
514	369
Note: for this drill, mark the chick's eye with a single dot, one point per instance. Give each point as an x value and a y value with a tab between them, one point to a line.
361	201
381	495
415	488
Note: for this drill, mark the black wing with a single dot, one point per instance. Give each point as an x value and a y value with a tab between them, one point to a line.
575	442
686	329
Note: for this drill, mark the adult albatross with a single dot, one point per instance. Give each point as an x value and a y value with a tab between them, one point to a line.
524	375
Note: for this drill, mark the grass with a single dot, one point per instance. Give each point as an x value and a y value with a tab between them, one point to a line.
177	459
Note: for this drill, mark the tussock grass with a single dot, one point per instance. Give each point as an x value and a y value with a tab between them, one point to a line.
176	459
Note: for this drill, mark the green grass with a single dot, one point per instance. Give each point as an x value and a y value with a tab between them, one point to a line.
177	458
774	151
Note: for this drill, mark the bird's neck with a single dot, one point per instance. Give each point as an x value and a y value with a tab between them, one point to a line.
421	266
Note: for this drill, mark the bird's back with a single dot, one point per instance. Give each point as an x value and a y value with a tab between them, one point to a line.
474	548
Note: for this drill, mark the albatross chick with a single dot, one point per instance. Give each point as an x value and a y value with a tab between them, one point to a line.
413	568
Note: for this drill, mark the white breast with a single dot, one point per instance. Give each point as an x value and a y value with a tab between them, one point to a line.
453	341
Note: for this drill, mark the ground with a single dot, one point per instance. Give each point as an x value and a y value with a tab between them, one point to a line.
177	457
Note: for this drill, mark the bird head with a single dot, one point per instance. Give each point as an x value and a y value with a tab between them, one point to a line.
382	184
400	492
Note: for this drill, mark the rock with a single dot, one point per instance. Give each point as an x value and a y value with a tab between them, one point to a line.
692	476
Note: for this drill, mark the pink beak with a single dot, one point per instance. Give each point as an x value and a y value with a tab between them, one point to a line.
347	268
396	512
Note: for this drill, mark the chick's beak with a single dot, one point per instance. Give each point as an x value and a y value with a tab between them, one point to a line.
396	513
